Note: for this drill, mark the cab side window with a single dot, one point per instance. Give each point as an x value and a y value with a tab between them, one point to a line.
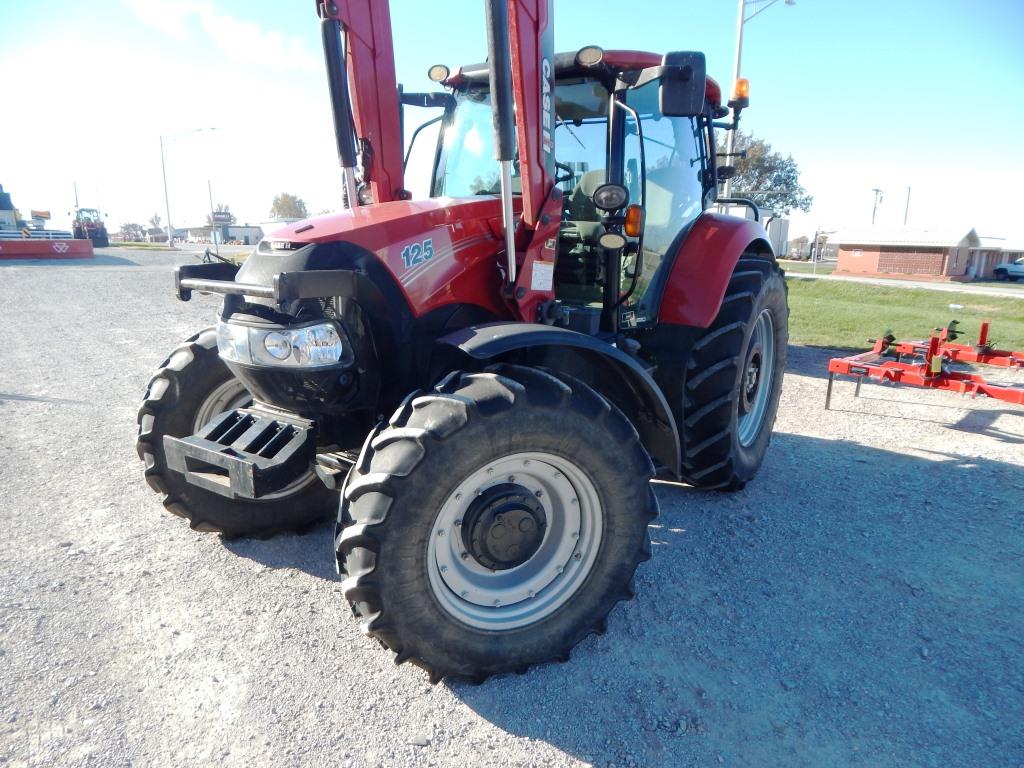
672	187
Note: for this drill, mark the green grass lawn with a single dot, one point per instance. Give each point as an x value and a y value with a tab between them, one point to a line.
823	268
829	313
140	246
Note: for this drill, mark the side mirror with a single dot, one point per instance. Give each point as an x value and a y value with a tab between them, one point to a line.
683	85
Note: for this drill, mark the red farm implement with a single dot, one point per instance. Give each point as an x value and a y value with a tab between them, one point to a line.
929	364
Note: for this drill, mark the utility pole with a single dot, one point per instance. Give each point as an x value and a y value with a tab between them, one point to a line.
906	208
878	199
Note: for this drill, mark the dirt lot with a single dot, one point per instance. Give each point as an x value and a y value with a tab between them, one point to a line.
861	603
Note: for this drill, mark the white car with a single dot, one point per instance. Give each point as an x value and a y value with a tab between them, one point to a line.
1011	270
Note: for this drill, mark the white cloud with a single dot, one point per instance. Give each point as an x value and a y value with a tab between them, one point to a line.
239	39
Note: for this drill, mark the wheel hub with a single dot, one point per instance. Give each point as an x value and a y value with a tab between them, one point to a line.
751	379
756	382
504	526
514	540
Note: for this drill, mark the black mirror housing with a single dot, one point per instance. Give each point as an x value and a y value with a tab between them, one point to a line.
683	88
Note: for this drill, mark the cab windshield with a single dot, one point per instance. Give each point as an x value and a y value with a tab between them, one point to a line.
466	164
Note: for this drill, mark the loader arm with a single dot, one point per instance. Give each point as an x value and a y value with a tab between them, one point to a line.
369	68
531	58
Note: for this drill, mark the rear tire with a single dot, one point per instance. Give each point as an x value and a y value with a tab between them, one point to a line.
734	379
1001	274
428	493
191	387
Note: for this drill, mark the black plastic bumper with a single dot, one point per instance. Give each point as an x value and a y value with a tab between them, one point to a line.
244	454
284	287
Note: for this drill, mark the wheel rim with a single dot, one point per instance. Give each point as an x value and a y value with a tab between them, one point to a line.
514	592
226	397
756	381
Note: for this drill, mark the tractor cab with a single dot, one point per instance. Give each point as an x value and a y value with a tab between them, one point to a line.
605	132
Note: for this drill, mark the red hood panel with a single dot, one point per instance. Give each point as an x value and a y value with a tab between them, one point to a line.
440	251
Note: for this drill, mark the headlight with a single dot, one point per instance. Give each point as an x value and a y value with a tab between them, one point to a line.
312	346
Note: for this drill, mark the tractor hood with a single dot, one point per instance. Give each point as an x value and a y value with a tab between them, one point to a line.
381	227
437	251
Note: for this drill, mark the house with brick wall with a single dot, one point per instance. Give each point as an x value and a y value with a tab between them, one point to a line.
910	252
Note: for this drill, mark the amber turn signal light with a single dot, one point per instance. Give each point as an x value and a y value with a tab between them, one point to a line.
634	223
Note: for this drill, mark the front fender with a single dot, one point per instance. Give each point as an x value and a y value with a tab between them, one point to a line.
622	379
704	264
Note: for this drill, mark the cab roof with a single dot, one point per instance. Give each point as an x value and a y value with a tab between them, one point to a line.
565	66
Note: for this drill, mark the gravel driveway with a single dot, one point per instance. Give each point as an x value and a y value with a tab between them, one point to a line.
859	604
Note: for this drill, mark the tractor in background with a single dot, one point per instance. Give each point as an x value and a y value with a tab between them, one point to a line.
88	224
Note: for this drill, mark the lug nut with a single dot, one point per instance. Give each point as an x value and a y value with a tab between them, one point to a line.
575	502
578	556
538	493
511	478
441	532
458	524
464	555
497	603
444	569
458	496
526	462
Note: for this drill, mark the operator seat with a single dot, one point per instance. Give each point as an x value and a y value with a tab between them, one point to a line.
580	211
577	268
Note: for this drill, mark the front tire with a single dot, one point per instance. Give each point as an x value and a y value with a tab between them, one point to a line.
734	379
494	522
191	387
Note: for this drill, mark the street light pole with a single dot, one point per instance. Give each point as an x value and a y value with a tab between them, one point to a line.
906	208
213	224
741	19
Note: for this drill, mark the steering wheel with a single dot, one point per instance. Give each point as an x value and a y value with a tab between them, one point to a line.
570	173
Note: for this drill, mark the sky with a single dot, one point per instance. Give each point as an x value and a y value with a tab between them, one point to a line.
862	93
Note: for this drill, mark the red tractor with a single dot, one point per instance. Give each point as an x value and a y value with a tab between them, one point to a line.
89	225
488	378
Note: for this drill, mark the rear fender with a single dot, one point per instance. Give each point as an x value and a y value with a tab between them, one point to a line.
620	378
704	264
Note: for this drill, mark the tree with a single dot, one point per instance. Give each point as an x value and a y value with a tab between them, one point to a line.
133	233
287	206
154	221
222	208
770	179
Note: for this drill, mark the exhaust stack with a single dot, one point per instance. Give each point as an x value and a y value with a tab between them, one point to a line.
498	57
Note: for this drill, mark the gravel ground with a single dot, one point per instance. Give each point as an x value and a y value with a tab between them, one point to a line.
859	604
